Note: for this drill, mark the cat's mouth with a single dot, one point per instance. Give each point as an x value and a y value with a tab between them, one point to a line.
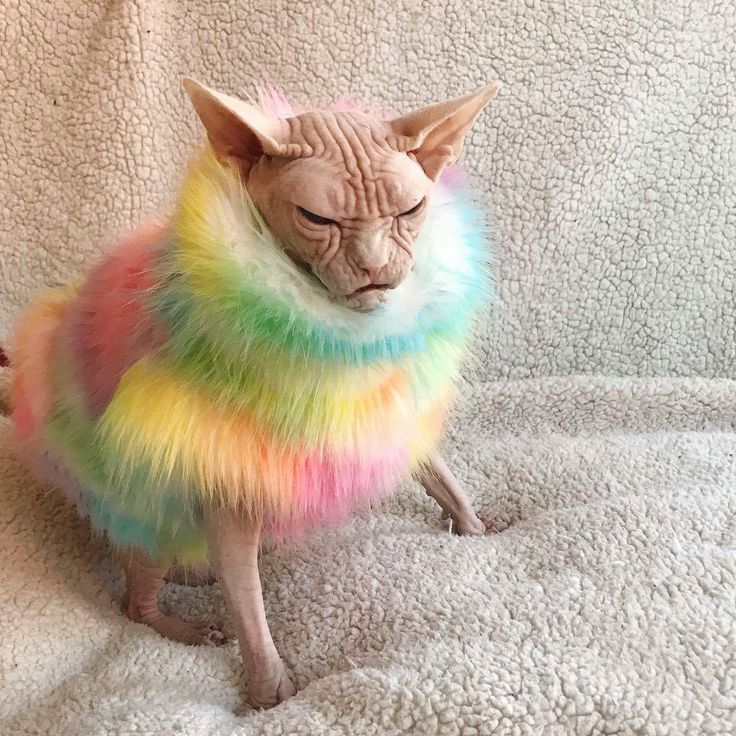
369	288
355	299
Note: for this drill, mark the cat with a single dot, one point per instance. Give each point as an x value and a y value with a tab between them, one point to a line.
283	347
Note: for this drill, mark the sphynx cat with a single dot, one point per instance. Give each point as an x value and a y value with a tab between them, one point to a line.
347	194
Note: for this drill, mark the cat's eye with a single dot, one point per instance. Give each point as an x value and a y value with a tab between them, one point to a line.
414	209
316	219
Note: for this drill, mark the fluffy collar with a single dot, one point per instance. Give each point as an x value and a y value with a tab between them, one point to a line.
226	276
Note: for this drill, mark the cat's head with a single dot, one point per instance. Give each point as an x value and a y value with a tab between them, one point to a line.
345	192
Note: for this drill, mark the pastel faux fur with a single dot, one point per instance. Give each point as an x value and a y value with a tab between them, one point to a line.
197	365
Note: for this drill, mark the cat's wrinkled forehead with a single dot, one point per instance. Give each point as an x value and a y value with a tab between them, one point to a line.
351	137
351	162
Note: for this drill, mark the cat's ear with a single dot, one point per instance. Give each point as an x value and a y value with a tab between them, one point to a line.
236	129
434	134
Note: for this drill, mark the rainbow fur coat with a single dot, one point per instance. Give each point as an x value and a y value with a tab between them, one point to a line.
197	365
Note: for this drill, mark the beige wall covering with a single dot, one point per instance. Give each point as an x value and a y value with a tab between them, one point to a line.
609	157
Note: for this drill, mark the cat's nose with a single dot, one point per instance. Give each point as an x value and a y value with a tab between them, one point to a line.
371	252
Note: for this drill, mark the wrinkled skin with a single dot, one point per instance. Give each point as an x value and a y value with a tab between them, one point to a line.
375	197
346	194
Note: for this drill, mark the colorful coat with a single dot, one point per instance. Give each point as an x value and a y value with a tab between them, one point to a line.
197	366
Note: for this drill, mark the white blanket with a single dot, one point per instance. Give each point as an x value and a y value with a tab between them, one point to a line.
606	605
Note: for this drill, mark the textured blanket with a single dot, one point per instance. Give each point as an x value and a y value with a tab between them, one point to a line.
603	604
606	601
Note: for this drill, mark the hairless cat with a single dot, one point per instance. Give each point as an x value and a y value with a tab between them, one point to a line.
283	347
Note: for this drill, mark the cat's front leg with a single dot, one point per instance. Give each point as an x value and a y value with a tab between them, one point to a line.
444	487
233	542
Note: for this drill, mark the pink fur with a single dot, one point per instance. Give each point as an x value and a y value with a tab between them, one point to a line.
110	325
330	487
454	177
273	100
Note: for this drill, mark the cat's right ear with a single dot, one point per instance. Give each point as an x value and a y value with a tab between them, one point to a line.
237	131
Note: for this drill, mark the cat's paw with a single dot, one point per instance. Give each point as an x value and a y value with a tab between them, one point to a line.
267	690
468	526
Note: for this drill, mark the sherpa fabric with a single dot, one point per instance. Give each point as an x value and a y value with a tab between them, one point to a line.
608	155
607	604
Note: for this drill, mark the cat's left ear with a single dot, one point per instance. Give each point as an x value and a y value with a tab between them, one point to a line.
237	130
434	134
